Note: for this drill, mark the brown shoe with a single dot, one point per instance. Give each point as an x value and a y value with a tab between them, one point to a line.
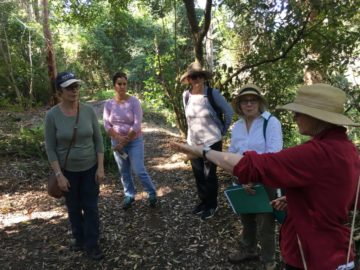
241	255
270	266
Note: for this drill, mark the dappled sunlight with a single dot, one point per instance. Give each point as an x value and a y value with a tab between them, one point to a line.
174	162
150	128
26	206
18	217
160	192
171	166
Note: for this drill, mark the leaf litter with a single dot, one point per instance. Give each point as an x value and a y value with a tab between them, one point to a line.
35	232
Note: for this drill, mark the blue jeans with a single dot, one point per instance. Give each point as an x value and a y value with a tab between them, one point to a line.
82	204
134	162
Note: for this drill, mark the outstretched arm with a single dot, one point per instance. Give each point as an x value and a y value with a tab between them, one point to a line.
225	160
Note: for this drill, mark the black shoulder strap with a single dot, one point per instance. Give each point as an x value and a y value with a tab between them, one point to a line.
266	121
211	99
213	104
187	95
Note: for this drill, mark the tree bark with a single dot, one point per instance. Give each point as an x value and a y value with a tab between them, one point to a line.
198	34
312	72
35	5
5	51
50	56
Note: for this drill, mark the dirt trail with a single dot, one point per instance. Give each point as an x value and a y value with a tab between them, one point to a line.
34	229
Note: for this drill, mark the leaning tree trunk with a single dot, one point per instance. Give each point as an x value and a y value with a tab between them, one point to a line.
50	56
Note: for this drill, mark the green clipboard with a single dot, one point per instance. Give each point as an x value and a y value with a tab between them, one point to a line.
243	203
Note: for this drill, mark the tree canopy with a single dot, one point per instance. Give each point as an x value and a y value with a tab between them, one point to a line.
278	45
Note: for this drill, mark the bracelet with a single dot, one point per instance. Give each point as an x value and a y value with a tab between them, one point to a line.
58	173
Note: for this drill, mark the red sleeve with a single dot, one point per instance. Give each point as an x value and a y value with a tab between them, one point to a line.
245	170
293	167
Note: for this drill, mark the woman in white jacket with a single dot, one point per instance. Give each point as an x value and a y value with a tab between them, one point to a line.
256	130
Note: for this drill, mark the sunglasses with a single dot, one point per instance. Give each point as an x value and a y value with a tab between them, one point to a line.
195	76
250	101
72	87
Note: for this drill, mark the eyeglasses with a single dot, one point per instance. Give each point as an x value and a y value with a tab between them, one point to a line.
251	101
195	76
72	87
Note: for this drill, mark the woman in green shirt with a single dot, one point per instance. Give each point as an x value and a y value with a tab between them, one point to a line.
85	164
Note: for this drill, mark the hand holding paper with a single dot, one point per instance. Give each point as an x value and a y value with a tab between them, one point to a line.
279	203
249	188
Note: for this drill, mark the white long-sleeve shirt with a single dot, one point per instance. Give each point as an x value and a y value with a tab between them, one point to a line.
253	140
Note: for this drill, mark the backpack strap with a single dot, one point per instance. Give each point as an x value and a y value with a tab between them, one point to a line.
213	104
187	96
266	121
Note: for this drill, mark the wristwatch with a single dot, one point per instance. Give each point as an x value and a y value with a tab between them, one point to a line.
206	149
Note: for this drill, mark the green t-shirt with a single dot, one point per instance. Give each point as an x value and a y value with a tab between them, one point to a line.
88	141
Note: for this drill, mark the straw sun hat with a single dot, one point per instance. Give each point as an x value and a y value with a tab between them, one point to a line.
321	101
247	89
194	68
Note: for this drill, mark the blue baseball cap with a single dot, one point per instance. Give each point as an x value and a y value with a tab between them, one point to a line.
66	78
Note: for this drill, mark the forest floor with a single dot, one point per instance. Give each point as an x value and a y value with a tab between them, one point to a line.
35	232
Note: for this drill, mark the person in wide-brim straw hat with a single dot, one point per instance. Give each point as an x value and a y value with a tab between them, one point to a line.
321	101
195	68
208	118
319	177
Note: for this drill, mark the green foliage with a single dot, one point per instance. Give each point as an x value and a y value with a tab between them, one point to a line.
21	42
274	41
28	143
7	104
109	160
101	94
271	41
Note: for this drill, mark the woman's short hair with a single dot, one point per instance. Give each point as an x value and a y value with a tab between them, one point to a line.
118	75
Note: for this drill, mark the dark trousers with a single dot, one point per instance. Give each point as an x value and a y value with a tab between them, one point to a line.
82	205
206	178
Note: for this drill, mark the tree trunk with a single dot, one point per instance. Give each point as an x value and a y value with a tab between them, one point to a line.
198	34
50	56
31	90
35	5
31	16
209	50
313	73
5	51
